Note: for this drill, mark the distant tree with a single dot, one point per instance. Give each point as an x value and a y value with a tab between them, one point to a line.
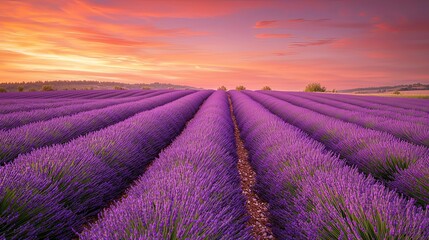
32	90
2	90
334	90
397	92
223	88
266	88
20	89
118	88
146	88
240	88
47	88
314	87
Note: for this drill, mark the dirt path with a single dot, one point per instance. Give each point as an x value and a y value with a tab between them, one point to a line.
257	209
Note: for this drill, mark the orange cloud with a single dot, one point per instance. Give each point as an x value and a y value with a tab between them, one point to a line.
118	41
171	8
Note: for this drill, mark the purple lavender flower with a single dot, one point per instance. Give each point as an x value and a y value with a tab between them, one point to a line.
311	193
51	192
377	153
191	191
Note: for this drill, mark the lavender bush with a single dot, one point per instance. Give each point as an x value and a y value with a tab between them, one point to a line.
51	192
16	119
62	129
192	191
312	194
383	105
410	130
344	102
29	105
373	152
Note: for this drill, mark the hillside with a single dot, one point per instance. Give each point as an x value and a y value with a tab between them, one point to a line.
383	89
87	85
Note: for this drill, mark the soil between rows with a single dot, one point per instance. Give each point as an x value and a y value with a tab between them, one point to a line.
255	206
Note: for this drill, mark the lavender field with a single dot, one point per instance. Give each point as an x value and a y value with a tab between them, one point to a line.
188	164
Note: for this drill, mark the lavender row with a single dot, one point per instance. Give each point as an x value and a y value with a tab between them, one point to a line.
408	130
11	101
62	129
51	192
128	93
398	103
413	103
312	194
70	94
192	191
25	96
33	104
362	102
108	94
377	153
405	103
384	111
29	106
13	120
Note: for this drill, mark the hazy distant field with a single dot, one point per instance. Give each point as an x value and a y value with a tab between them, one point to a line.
410	94
188	164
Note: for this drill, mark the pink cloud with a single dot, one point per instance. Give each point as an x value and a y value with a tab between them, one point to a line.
273	35
313	43
288	22
402	26
266	24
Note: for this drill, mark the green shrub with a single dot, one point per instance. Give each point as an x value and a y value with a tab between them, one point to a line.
314	87
47	88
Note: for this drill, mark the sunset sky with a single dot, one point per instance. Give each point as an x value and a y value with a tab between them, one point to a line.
282	44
